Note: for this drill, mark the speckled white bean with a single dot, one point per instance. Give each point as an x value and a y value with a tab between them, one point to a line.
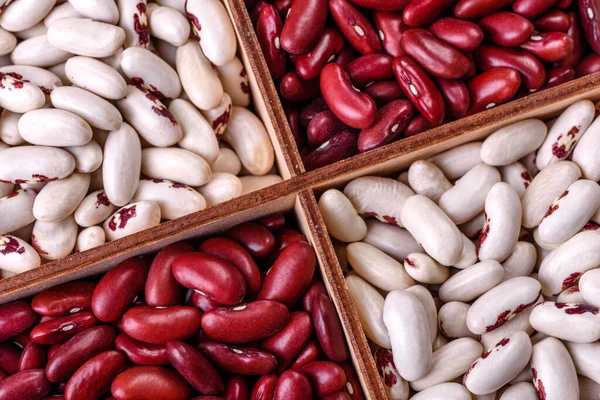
40	77
98	10
391	239
174	199
36	30
444	391
96	111
54	240
517	176
85	37
59	199
90	238
65	10
456	162
428	304
472	282
218	117
567	321
133	18
452	320
587	152
19	96
23	14
122	164
132	218
38	52
94	209
468	256
226	161
146	68
32	164
570	295
395	386
54	127
222	187
519	323
369	306
589	286
8	41
96	76
16	210
425	269
88	157
253	183
16	255
473	227
168	24
586	358
427	179
553	371
513	142
9	128
177	165
235	82
520	262
520	391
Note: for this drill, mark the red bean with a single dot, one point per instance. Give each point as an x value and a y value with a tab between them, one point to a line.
553	21
245	323
94	377
273	222
204	302
558	76
309	65
323	127
268	31
286	344
579	44
493	87
238	360
141	353
312	352
370	68
3	375
385	92
161	325
232	252
255	238
264	389
303	26
313	290
418	125
339	147
472	71
292	385
352	383
298	90
462	35
390	122
338	396
433	55
236	388
424	12
26	385
388	5
33	357
588	65
533	74
117	290
256	9
15	318
355	26
22	339
328	329
325	377
507	29
347	54
162	289
284	238
311	110
474	9
293	117
589	11
564	4
52	350
64	299
10	355
533	8
456	95
390	27
549	46
147	383
419	89
62	329
194	368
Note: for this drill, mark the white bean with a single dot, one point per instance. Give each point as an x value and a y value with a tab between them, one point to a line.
16	210
54	127
19	96
168	24
8	42
90	238
219	116
88	157
175	164
520	391
54	240
425	269
96	76
519	323
38	52
520	262
427	179
132	218
98	10
226	161
394	241
40	77
133	18
456	162
589	286
32	164
553	371
96	111
472	282
24	14
586	153
143	67
574	322
517	176
94	209
369	306
235	82
428	303
16	255
174	199
340	217
586	358
222	187
85	37
65	10
452	320
468	256
59	199
513	142
122	165
198	135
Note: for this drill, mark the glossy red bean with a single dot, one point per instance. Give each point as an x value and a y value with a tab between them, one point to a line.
284	238
390	122
3	375
352	383
576	33
22	339
32	357
456	95
419	89
273	222
325	377
474	9
238	360
506	29
303	26
196	369
62	329
423	12
94	377
283	7
293	118
117	290
149	383
64	299
268	32
341	395
256	9
589	65
418	125
298	90
323	127
10	355
472	71
370	68
236	388
264	389
313	290
589	12
292	385
232	252
309	64
387	5
52	350
531	9
559	75
254	237
77	350
26	385
206	398
312	352
553	21
347	54
390	27
286	344
141	353
161	325
328	329
355	27
15	318
162	289
462	35
549	46
204	302
385	92
493	87
533	73
339	147
311	110
564	4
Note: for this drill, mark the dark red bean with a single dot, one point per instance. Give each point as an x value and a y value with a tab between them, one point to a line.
238	360
341	395
62	329
26	385
589	65
22	339
323	127
260	4
493	87
236	388
533	74
339	147
325	377
264	389
352	383
297	90
52	350
162	289
289	341
64	299
462	35
204	302
94	377
388	5
313	290
194	368
283	7
390	122
10	355
370	68
273	222
549	46
385	92
312	352
419	89
310	64
456	95
255	238
474	9
390	26
161	325
141	353
418	125
3	375
531	9
117	290
579	43
16	317
564	4
303	26
559	75
423	12
150	383
268	32
355	26
472	71
553	21
293	118
292	385
311	110
507	29
328	329
347	54
284	238
33	357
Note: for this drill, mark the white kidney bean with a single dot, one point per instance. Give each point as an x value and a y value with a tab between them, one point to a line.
36	30
520	262
40	77
24	14
586	358
85	37
59	199
132	218
427	179
369	306
89	238
145	68
446	391
395	386
16	210
554	374
440	340
589	287
174	199
168	24
588	389
586	153
391	239
519	323
38	52
32	164
65	10
9	128
226	161
122	165
16	255
88	157
175	164
19	96
94	209
456	162
218	117
96	76
452	320
133	18
6	189
573	322
425	269
473	227
253	183
513	142
235	82
517	176
222	187
472	282
54	240
8	41
54	127
570	295
541	243
98	10
340	217
468	256
96	111
428	304
520	391
167	52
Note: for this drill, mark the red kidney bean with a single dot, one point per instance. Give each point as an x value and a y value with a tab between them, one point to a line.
564	4
506	29
284	238
22	339
390	26
273	222
238	360
150	383
268	32
162	289
311	110
312	352
260	4
161	325
16	317
423	12
3	375
236	388
385	92
418	125
286	344
309	65
303	26
553	21
204	302
531	9
283	7
94	377
33	357
579	43
323	127
328	329
264	389
493	87
589	11
62	329
339	147
315	288
419	89
462	35
26	385
141	353
297	90
194	368
474	9
370	68
355	26
433	55
456	95
10	355
52	350
588	65
390	122
559	75
118	289
206	398
291	274
533	74
325	377
549	46
64	299
77	350
352	383
293	117
338	396
387	5
232	252
292	385
255	238
347	54
472	71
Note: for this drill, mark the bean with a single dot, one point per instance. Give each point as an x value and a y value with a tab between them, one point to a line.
292	385
507	29
549	46
238	360
313	290
268	31
325	377
328	328
33	357
194	368
553	21
385	92
419	124
310	64
161	325
162	289
297	90
455	94
236	388
355	27
390	27
390	120
17	317
372	67
323	127
369	305
256	239
588	66
95	376
290	340
579	43
493	87
61	329
141	353
264	388
341	146
148	383
532	8
25	385
547	380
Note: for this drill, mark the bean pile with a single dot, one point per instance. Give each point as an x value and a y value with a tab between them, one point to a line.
117	115
201	319
479	274
357	74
